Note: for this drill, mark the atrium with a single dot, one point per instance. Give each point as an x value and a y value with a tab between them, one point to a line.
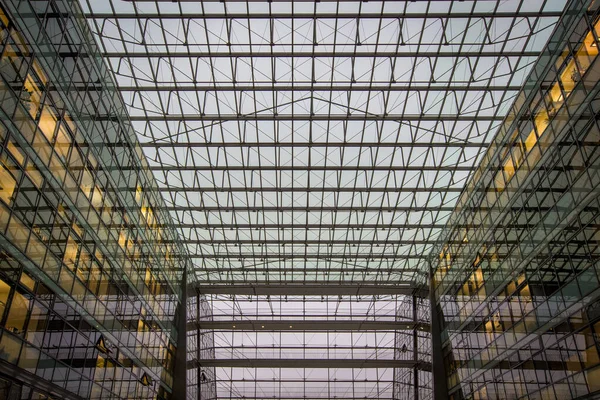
206	200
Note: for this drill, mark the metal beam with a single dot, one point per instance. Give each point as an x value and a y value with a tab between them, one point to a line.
298	208
405	14
299	226
234	208
320	256
308	289
308	363
361	51
282	145
302	242
316	226
303	189
390	258
307	168
357	208
402	189
286	87
307	325
355	116
377	268
227	383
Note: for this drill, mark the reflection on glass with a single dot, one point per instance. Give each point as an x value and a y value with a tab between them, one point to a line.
4	292
17	315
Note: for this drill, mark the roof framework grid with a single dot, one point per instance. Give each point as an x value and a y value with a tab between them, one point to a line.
315	144
308	135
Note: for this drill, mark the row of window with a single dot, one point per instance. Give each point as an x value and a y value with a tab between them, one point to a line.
74	235
82	271
525	260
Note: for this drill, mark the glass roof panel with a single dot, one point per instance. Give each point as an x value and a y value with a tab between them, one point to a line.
314	143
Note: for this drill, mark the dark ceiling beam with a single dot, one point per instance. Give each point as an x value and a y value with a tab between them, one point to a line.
270	189
283	145
267	52
298	226
357	208
286	87
246	396
408	14
324	226
302	242
377	268
319	256
308	363
308	289
298	208
305	189
307	325
356	116
292	168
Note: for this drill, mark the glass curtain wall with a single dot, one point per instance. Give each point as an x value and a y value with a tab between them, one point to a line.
317	347
88	290
517	279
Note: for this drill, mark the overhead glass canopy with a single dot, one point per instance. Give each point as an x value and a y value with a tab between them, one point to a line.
321	142
317	145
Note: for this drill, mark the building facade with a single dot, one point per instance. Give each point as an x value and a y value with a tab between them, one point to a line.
516	282
88	288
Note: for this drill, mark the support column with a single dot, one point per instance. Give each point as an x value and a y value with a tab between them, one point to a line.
201	383
415	347
180	367
440	387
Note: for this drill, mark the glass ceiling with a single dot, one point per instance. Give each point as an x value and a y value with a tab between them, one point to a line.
316	141
319	143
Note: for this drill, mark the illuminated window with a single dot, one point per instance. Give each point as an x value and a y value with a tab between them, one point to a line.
4	292
587	52
530	141
36	324
569	77
63	142
7	185
16	153
71	250
10	347
34	94
47	123
27	281
17	315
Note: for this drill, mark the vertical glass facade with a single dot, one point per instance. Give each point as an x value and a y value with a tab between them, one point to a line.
517	279
90	272
314	347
